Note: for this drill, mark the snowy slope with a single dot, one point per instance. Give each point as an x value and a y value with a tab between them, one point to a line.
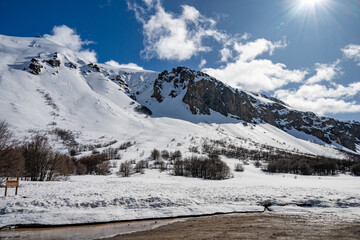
95	101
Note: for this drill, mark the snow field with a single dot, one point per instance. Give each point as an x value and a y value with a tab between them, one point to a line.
84	199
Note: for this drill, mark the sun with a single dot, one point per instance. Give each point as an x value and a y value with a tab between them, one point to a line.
311	3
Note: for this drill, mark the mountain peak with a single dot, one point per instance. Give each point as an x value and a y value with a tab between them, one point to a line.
203	94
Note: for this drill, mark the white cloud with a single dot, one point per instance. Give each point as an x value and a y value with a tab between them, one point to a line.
174	37
256	75
321	99
226	54
317	97
325	72
129	65
251	50
202	63
352	51
67	37
252	74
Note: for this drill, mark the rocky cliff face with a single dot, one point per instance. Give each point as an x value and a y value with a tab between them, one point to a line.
202	93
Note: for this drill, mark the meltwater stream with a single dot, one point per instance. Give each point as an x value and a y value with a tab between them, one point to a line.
95	231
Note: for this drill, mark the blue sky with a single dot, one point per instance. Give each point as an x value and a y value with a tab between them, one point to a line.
305	52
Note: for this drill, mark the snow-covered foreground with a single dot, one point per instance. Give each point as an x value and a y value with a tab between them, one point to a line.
84	199
99	104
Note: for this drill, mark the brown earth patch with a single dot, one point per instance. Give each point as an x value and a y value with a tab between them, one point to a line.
254	226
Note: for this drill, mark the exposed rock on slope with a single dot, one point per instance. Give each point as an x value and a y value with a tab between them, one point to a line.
35	66
203	93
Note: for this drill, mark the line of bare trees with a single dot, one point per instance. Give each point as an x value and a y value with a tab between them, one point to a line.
283	161
210	167
33	160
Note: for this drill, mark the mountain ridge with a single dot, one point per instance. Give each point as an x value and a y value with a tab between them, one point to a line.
204	92
64	89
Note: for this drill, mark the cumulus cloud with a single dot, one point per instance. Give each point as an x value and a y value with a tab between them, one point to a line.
325	72
321	99
321	94
250	50
174	37
352	51
67	37
256	75
248	73
128	65
202	63
226	54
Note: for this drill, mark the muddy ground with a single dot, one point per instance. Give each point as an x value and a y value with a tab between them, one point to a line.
254	226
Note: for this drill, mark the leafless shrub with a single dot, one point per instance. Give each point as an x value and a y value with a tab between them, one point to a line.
175	155
59	167
94	164
37	156
103	168
80	168
194	149
67	136
41	163
112	153
109	143
11	159
125	169
319	166
95	151
6	136
159	164
140	166
125	145
355	169
257	164
208	168
11	163
49	101
165	154
155	154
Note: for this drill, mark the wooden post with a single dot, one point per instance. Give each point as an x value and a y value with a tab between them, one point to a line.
17	186
6	186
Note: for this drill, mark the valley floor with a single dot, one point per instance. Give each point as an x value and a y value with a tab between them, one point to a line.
90	199
253	226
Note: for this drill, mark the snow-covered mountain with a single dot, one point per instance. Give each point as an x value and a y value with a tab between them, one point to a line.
44	86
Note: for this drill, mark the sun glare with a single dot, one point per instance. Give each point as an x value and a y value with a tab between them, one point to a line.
311	3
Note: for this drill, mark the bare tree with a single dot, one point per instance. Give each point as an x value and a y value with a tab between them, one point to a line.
125	169
140	166
6	136
155	154
60	165
92	164
165	154
37	154
11	159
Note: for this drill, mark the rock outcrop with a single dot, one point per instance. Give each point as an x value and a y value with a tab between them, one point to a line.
35	66
55	62
203	92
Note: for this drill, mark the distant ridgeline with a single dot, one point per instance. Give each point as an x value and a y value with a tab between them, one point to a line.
204	92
